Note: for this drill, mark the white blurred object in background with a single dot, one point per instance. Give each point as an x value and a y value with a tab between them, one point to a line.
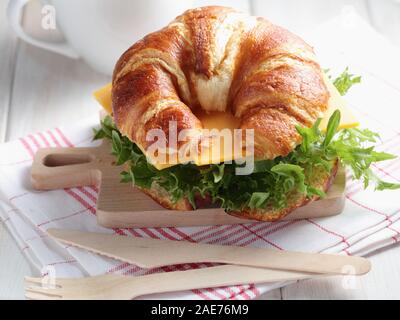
99	31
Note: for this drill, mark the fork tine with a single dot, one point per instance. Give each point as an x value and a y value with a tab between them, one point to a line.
57	281
33	279
46	291
32	295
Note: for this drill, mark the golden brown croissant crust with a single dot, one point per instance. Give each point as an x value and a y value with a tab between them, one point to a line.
217	59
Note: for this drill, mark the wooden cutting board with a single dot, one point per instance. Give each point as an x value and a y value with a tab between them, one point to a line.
120	205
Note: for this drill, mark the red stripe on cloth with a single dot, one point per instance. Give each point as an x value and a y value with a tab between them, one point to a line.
274	227
18	196
236	240
185	236
329	231
264	239
90	207
119	231
119	267
42	236
134	232
210	237
199	292
347	251
243	292
81	189
166	235
386	173
64	138
27	147
153	270
237	230
394	230
226	293
53	138
71	145
240	236
132	270
62	262
267	229
64	217
202	231
44	139
93	198
369	209
35	142
147	231
254	239
68	191
87	194
232	236
177	267
221	293
150	233
205	235
76	196
181	234
81	200
174	268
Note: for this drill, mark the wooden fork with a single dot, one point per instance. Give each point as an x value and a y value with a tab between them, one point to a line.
120	287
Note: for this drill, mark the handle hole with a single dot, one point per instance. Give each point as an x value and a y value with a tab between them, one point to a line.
60	160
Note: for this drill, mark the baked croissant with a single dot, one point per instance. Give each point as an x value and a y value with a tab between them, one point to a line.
217	59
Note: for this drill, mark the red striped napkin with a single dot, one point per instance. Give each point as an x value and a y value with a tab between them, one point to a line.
370	219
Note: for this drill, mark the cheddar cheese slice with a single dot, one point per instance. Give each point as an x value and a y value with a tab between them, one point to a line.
222	120
337	102
103	96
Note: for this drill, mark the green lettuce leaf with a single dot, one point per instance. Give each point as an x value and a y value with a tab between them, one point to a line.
344	81
272	181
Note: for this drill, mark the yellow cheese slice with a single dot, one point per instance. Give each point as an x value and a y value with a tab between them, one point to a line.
222	120
103	96
337	102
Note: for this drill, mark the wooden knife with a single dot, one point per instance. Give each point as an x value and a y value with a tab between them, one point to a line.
152	253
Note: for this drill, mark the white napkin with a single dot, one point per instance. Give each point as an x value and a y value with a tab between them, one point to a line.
370	220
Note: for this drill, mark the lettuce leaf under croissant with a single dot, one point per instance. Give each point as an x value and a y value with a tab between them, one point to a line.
273	182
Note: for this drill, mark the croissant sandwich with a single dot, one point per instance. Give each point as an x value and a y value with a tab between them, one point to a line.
214	67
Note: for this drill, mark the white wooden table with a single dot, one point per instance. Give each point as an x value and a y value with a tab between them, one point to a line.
39	90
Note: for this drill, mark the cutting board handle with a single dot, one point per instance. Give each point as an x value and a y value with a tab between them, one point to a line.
57	168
